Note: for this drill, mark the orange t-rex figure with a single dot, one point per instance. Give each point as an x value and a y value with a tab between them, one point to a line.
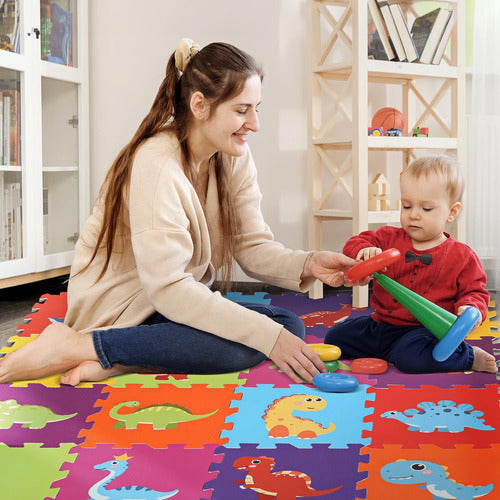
282	485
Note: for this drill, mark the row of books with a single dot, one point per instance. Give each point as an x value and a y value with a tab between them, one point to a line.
11	239
10	123
391	39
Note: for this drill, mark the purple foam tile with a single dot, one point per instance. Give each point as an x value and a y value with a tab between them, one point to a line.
46	402
301	304
165	470
327	468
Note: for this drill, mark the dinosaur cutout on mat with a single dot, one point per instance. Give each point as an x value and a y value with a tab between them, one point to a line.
116	468
30	416
446	416
165	416
280	422
431	477
282	485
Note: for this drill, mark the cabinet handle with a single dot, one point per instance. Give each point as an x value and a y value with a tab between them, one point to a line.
36	32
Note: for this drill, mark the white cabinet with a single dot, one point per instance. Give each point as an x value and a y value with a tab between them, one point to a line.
44	152
346	89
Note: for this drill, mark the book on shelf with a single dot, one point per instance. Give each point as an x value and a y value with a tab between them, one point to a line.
392	30
10	220
427	31
443	43
379	45
11	122
404	33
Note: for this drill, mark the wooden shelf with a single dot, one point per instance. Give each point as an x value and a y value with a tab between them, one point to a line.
343	80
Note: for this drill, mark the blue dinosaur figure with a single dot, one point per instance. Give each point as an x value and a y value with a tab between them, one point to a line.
431	477
446	416
116	468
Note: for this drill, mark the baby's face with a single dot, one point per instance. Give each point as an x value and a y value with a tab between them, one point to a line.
426	209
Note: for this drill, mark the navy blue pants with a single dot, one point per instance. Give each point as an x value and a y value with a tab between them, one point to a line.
162	345
409	348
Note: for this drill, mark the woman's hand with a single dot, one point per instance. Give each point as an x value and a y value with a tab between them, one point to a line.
293	356
331	268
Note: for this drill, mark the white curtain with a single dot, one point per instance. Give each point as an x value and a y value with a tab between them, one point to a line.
483	179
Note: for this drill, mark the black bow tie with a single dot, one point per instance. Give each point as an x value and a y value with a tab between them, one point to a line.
426	258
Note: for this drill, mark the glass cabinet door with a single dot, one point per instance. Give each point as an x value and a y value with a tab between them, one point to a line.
11	181
58	31
60	165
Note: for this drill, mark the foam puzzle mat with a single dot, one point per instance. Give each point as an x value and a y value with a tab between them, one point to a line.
189	437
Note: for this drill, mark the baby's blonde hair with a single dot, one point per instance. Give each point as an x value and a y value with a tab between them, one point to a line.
444	166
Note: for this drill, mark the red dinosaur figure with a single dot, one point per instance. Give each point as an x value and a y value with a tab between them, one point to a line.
282	485
329	318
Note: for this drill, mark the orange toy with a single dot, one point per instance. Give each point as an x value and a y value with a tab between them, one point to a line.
387	118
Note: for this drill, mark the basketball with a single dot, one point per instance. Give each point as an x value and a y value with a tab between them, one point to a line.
387	118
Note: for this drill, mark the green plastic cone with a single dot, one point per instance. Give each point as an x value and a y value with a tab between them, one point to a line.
436	319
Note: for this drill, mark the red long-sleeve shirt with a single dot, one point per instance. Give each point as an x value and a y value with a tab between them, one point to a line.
454	278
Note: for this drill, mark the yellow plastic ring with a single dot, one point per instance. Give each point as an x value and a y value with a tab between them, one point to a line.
326	352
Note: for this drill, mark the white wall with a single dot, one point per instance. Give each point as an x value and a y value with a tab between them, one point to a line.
130	44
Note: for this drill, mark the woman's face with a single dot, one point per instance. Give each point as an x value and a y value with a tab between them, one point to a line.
228	128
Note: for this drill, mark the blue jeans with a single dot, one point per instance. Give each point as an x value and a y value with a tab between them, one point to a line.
409	348
162	345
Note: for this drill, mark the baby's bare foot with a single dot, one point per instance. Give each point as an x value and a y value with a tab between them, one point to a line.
483	361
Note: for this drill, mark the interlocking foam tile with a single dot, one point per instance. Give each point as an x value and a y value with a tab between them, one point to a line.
199	400
175	468
328	468
39	422
49	306
466	465
445	380
302	305
346	411
27	472
268	373
488	327
178	380
398	398
258	297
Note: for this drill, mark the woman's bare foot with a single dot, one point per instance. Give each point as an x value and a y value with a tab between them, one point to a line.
483	361
56	349
92	371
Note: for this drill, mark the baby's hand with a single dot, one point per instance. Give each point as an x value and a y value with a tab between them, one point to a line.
460	311
368	253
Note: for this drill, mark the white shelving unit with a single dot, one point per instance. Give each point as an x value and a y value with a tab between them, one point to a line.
344	86
50	171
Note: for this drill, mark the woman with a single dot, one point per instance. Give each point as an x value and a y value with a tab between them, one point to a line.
179	203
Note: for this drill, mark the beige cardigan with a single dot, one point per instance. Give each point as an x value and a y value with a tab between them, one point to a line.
162	258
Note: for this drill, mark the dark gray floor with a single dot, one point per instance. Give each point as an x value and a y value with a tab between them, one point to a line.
16	302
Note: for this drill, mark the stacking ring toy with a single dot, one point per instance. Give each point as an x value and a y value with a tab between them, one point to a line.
327	352
367	267
331	366
449	329
368	365
335	382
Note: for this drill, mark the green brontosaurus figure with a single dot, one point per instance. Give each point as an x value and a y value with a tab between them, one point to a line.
164	416
31	416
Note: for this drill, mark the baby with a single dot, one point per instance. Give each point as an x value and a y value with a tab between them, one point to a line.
433	264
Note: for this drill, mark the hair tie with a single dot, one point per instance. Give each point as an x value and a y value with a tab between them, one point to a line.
185	51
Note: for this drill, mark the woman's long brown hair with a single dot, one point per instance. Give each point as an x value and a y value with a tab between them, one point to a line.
219	71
